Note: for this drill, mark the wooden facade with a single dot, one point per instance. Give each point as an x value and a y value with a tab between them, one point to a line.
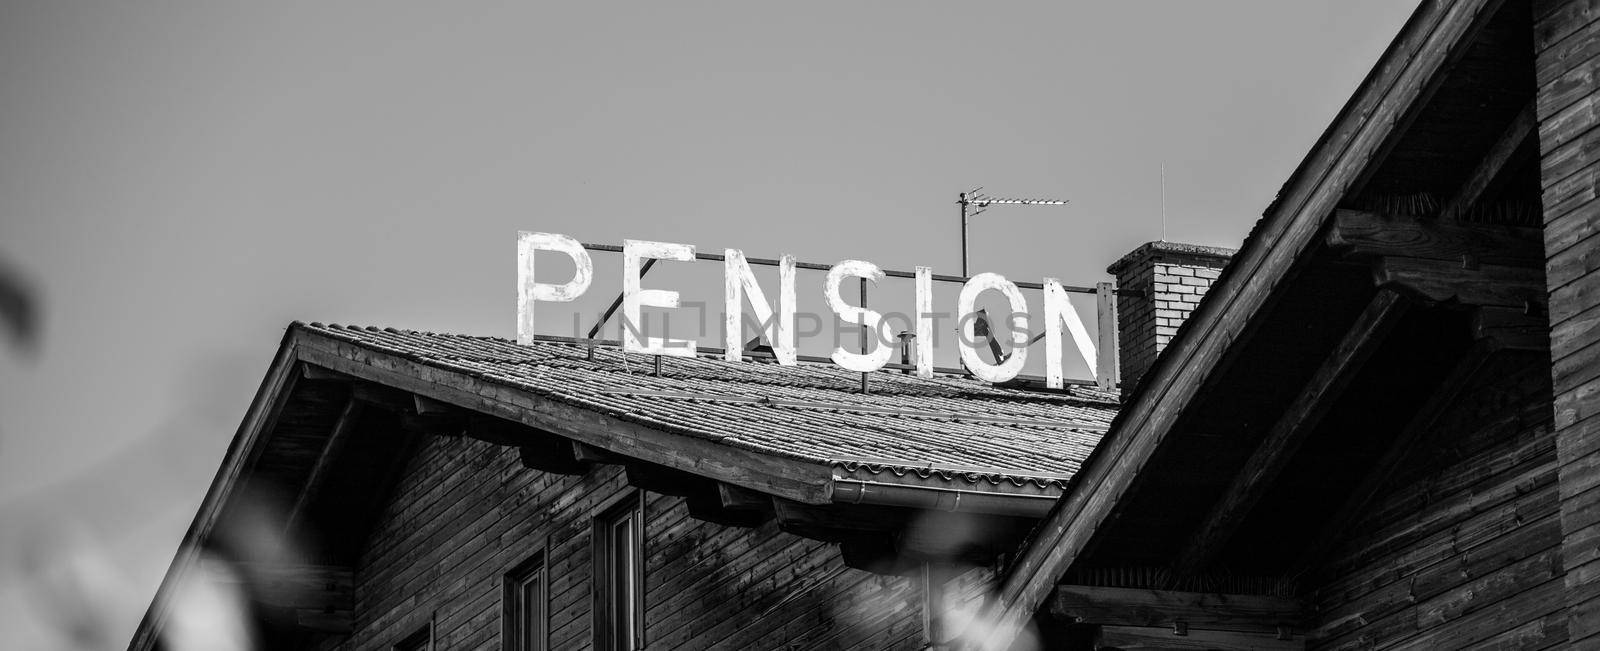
1376	430
466	512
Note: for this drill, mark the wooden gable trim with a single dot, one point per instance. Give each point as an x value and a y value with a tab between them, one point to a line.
1429	41
243	451
798	480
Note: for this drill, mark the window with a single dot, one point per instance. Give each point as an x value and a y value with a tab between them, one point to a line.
525	606
619	576
419	640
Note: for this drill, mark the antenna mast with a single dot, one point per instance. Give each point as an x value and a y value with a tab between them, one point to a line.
974	203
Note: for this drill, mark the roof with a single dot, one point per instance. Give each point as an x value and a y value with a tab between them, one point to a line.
1339	164
802	433
943	429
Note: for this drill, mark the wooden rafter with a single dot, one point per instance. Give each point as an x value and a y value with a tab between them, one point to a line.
1490	169
1291	430
1481	285
338	436
1369	235
1381	472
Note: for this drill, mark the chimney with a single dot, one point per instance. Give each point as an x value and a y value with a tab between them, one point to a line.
1172	278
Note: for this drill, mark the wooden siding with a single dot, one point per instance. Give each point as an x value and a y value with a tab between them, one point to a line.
1567	38
1465	548
466	512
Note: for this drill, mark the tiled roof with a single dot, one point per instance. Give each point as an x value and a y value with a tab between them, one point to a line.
951	429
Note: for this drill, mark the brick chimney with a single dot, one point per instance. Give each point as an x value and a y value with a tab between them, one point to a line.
1173	277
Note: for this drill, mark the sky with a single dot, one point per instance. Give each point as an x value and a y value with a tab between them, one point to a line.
181	180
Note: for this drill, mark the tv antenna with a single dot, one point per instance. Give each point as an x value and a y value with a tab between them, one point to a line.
974	202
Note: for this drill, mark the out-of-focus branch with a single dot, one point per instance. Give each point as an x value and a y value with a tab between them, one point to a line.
18	307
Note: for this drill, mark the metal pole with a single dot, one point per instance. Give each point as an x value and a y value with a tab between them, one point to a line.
864	333
963	202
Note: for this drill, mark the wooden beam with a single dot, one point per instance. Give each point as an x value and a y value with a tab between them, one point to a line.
1505	328
338	435
425	406
318	374
734	497
1136	607
1383	470
388	398
799	480
1490	169
500	431
1299	419
551	454
666	481
707	503
1368	235
1141	638
1482	285
590	454
1354	143
838	522
875	553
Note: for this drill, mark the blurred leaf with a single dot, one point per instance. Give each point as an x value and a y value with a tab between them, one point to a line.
18	306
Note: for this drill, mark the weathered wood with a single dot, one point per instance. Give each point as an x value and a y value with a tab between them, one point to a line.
876	554
1367	234
734	497
1134	607
1489	170
1106	371
338	436
425	406
1482	285
590	454
551	454
1299	419
318	374
705	503
1142	638
805	482
666	481
1505	328
1351	146
837	522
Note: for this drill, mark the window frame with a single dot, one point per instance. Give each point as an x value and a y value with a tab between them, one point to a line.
628	507
515	602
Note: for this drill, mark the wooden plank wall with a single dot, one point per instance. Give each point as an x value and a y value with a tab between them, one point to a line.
466	512
1465	549
1567	40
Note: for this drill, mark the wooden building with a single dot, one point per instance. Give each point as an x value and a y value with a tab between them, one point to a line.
390	489
1376	430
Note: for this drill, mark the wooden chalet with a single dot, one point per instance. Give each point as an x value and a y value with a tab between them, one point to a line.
396	489
1377	431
